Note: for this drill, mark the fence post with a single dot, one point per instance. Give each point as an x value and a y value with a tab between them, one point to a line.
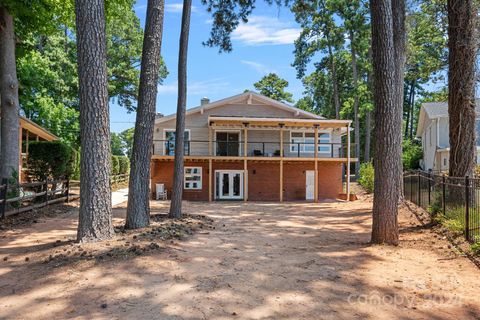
429	186
467	208
418	190
67	187
3	196
444	184
46	192
410	179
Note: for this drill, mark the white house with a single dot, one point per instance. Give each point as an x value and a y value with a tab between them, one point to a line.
433	131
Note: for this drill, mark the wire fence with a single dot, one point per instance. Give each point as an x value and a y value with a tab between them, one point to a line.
455	201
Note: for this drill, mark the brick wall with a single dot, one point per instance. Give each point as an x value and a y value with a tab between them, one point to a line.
263	179
162	172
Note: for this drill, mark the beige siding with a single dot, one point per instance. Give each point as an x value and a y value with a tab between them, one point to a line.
197	124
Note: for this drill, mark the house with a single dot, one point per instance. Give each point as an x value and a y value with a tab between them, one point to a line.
250	147
30	131
433	130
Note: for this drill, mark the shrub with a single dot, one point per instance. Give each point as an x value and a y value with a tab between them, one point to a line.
115	166
50	160
411	155
366	176
124	164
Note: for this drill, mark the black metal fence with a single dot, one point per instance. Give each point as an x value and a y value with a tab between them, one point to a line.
455	201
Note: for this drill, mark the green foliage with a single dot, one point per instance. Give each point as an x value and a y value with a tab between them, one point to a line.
367	176
273	86
226	16
47	63
115	166
306	103
436	207
116	145
124	165
127	141
475	247
412	154
50	160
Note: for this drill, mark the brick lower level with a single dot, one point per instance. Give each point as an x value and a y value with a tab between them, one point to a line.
263	179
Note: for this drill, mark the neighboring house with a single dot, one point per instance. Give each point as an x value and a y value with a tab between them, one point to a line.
252	147
30	131
433	131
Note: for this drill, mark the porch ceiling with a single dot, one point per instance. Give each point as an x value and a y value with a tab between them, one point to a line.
276	122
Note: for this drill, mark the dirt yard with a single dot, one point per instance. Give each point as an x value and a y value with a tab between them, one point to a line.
257	261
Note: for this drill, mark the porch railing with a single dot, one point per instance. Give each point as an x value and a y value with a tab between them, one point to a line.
255	149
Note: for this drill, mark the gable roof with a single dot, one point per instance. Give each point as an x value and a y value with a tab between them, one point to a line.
435	110
248	95
36	129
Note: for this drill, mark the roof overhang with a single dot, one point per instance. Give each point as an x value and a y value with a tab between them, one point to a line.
248	97
278	122
36	129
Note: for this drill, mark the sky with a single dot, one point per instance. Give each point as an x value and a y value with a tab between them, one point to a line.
263	45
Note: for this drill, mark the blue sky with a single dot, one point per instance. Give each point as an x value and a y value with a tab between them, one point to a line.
263	45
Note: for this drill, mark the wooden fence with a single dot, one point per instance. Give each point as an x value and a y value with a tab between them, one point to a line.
17	198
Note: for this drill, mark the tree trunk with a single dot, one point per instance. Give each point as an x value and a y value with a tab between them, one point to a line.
388	56
138	210
412	111
356	121
95	219
409	109
10	152
333	70
368	134
177	192
462	15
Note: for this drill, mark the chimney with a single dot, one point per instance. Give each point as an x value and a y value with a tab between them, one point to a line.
158	115
204	101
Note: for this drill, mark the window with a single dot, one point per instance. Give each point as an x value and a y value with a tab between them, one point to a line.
169	145
305	141
192	178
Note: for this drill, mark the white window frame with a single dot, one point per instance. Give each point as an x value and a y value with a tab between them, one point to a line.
302	146
165	130
198	173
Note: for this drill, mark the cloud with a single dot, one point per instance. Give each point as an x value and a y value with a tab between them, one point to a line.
258	67
207	87
177	8
262	30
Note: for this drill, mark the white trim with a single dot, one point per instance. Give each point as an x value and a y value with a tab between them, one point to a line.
320	144
164	137
185	175
239	131
216	187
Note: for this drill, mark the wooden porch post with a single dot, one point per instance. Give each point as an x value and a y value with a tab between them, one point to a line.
348	162
210	166
20	141
315	189
281	163
245	167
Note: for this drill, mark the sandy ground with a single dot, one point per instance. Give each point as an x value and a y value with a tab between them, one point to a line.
262	261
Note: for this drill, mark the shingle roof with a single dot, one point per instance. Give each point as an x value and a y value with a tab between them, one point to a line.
440	109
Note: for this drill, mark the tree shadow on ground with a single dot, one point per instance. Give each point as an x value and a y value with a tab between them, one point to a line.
262	261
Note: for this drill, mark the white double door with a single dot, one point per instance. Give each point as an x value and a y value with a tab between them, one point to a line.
229	184
309	184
